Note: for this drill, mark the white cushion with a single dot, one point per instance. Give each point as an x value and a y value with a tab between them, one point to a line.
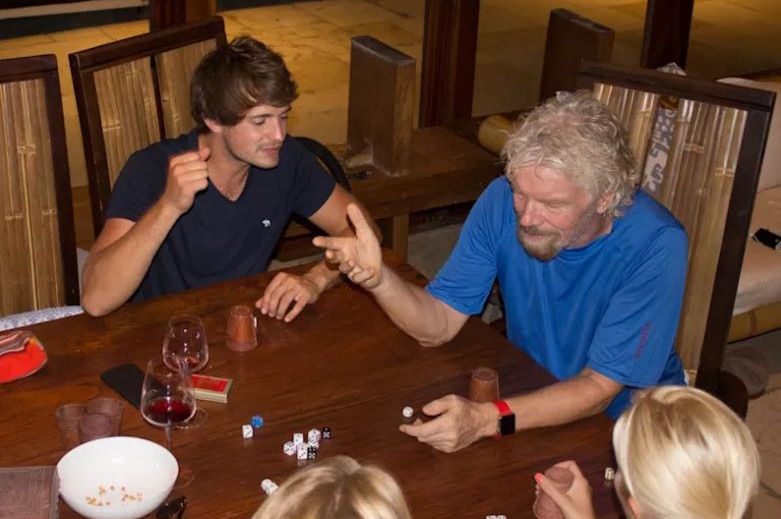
760	276
770	174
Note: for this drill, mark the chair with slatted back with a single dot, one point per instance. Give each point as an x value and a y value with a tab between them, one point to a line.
37	237
133	92
709	179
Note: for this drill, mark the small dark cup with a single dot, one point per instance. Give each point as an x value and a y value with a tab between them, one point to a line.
484	386
242	328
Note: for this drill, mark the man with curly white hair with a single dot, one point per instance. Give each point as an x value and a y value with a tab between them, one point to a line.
591	272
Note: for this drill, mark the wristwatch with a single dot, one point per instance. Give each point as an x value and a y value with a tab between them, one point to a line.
506	423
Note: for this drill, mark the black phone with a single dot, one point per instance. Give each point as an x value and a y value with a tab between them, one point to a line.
127	380
768	238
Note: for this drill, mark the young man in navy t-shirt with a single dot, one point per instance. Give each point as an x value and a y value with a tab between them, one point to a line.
211	205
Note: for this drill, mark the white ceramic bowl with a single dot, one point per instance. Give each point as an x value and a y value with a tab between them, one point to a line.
119	477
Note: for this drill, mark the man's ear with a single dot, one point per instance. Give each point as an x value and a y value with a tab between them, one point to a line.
213	125
634	506
605	202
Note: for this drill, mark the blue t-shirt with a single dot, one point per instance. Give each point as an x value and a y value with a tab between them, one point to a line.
218	239
612	305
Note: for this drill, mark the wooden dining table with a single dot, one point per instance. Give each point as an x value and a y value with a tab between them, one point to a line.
340	364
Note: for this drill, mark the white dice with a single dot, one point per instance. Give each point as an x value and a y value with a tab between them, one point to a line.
313	436
268	486
298	439
289	448
246	431
301	453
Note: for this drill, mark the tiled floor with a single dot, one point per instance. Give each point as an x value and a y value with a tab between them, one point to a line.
729	37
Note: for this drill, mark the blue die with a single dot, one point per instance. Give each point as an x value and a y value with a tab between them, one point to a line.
256	422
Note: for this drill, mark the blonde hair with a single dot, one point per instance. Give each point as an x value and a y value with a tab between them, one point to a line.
336	488
578	136
684	454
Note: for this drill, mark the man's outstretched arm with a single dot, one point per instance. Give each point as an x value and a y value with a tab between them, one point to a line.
411	308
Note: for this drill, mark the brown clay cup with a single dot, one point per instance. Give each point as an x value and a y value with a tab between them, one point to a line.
94	426
68	417
544	507
484	386
242	328
110	407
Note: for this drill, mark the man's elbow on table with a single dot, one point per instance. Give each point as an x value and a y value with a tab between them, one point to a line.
94	300
94	306
605	390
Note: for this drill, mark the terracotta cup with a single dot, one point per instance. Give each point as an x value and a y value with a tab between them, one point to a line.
94	426
242	328
68	416
110	407
544	507
484	386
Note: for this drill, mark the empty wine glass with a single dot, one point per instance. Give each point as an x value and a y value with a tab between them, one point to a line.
185	341
168	400
185	345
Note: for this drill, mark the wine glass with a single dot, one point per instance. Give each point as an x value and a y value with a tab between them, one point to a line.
168	400
185	344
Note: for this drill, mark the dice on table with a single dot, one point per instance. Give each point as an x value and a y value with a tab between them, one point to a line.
326	433
301	451
257	421
311	453
313	436
246	431
298	438
268	486
289	448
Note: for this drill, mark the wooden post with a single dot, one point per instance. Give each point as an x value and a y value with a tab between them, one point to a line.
448	69
165	13
381	103
666	33
570	40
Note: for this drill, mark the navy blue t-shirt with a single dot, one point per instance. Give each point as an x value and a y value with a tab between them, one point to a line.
218	239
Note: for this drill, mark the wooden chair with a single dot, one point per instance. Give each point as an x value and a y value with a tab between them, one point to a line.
134	92
37	237
709	182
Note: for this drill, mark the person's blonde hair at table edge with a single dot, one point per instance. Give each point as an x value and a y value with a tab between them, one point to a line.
681	454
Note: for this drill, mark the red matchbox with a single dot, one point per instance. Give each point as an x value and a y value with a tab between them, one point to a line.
212	389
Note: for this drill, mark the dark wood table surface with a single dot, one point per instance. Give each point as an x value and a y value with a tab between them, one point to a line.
340	364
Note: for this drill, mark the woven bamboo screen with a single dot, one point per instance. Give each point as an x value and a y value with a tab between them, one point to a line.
696	187
31	274
127	126
174	70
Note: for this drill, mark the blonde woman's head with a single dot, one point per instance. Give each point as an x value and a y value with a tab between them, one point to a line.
683	454
336	488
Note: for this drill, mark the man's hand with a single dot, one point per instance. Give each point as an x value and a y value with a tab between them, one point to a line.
187	175
286	290
360	258
459	423
576	502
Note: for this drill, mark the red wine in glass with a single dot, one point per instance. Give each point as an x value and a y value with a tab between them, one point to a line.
167	401
168	411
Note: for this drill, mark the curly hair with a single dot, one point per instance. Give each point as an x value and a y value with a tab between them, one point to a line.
234	78
336	488
575	134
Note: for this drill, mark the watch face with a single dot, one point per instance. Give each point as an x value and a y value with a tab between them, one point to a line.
507	424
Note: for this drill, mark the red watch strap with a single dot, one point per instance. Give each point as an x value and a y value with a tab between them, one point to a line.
503	407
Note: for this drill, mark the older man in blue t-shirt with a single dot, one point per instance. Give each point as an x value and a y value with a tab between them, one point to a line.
591	272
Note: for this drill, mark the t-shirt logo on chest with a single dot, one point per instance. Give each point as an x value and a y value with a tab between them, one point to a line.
266	222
